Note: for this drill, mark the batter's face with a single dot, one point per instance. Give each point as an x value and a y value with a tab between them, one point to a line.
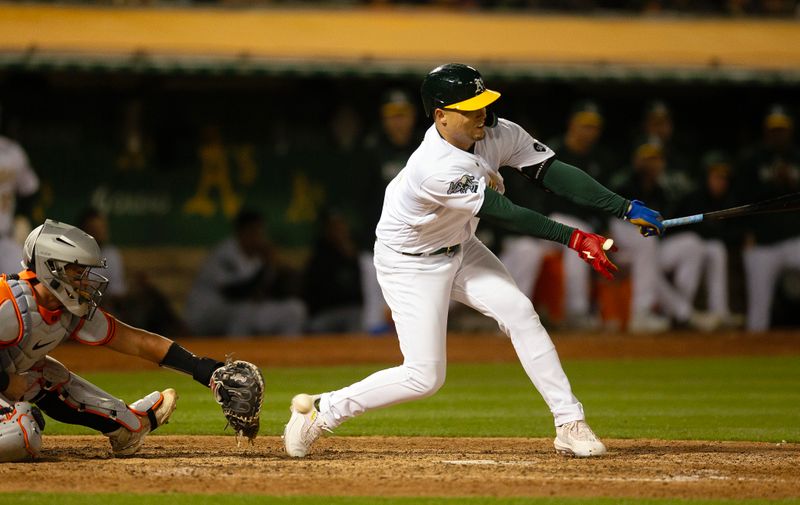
461	128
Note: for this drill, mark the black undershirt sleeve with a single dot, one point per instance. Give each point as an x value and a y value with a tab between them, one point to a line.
499	210
576	186
180	359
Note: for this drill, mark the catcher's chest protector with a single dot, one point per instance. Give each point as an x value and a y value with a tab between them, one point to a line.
25	336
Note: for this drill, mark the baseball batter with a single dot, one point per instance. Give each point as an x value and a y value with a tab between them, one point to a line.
426	254
55	299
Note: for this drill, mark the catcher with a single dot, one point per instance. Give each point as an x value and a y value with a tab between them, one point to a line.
55	299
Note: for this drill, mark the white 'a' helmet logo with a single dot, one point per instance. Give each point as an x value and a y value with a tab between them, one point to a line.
479	86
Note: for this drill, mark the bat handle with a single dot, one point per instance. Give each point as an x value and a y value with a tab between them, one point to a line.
682	221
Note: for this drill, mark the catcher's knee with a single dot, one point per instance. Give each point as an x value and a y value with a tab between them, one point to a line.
21	427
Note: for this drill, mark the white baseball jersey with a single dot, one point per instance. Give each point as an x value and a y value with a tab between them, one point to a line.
16	178
433	201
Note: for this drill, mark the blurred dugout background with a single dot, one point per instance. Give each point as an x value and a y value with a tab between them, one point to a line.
172	117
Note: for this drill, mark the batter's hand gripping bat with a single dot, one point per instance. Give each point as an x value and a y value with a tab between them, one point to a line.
780	204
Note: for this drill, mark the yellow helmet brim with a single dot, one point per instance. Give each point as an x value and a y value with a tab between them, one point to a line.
476	102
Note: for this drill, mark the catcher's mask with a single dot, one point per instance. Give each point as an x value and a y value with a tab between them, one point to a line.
456	86
63	256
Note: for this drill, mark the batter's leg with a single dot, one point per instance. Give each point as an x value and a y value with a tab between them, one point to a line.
484	284
417	290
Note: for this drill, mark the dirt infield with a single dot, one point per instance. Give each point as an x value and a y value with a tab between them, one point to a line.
396	466
419	466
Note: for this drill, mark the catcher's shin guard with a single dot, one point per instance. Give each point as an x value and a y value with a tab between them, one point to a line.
21	426
82	396
157	407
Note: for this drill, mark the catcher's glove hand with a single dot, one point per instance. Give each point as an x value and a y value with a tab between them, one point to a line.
238	387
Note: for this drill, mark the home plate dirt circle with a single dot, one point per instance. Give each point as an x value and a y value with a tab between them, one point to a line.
414	466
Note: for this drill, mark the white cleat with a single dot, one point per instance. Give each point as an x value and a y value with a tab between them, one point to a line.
125	442
577	439
304	426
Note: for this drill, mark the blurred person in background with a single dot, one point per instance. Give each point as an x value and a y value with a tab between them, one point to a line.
716	237
17	180
772	243
523	255
658	127
332	284
651	260
238	291
139	302
95	223
387	151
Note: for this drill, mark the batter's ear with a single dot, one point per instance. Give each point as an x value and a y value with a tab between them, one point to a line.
439	116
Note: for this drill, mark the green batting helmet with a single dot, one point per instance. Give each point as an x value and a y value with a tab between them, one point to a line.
455	86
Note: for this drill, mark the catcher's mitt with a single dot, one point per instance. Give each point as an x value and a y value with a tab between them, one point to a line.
238	387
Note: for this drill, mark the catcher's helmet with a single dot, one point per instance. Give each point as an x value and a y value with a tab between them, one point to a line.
50	249
455	86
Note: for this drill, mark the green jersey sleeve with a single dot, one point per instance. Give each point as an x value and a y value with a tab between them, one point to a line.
499	210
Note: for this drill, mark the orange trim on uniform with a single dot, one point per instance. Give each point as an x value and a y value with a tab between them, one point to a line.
154	407
110	334
50	317
25	436
74	334
6	294
101	414
27	275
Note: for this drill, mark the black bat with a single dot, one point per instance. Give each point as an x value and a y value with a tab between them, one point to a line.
783	203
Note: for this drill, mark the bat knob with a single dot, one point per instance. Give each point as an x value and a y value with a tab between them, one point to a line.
608	244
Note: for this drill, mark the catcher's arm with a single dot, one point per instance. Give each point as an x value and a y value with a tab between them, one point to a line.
238	386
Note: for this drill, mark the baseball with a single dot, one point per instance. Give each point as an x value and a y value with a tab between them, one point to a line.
608	244
303	403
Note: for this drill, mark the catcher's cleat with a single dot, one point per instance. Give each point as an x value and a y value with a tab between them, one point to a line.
576	438
125	442
304	426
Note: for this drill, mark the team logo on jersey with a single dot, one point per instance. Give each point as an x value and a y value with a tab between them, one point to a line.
539	147
479	86
464	184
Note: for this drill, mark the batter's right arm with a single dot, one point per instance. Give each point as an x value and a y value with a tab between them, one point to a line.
590	247
501	211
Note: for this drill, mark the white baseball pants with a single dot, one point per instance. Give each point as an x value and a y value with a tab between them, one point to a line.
418	289
763	264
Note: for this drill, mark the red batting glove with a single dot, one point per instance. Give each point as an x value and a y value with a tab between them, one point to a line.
590	248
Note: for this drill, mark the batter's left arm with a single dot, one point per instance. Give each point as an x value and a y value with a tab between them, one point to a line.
576	186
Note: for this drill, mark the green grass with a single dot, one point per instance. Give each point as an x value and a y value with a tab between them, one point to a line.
707	399
185	499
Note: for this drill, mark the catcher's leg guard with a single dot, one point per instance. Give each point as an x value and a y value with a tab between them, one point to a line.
72	399
21	426
157	407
